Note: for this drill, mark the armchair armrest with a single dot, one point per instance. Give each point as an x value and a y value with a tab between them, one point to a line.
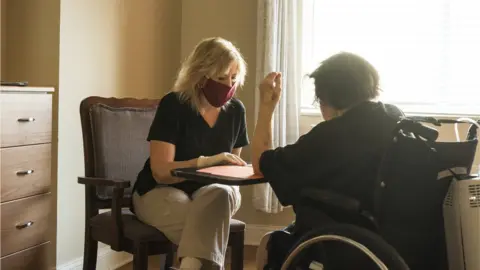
96	181
339	207
93	204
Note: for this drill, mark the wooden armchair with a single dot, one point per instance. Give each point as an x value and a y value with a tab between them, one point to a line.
115	149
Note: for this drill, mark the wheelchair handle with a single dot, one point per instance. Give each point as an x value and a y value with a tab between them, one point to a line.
408	125
435	121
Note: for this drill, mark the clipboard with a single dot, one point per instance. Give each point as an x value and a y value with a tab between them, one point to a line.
226	175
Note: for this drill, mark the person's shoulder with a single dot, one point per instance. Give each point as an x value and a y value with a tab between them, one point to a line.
170	98
384	112
380	116
173	100
367	110
236	105
393	111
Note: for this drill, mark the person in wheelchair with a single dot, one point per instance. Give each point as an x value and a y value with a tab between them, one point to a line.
341	154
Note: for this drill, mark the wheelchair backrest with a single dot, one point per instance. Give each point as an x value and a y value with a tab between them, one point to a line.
413	179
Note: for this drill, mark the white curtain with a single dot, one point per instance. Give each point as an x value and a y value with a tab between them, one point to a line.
278	49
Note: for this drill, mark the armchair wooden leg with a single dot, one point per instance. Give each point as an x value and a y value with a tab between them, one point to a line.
140	257
89	251
237	250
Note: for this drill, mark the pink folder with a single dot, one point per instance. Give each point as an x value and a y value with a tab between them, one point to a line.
243	172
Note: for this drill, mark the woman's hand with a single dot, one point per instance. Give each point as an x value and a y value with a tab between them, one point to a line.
270	92
220	159
271	89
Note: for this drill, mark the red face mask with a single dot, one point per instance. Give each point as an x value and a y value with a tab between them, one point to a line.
217	94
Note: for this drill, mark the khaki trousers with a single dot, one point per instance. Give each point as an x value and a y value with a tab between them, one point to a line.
200	226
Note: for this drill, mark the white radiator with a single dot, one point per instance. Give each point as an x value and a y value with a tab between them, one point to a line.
461	212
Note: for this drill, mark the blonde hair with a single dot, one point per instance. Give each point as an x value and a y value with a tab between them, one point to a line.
211	57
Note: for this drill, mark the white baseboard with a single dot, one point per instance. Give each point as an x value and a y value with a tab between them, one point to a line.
109	259
255	232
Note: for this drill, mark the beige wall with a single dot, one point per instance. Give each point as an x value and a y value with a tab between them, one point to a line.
236	21
3	36
31	22
107	48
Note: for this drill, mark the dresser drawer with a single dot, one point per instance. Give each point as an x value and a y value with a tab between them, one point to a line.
25	171
26	118
35	258
24	223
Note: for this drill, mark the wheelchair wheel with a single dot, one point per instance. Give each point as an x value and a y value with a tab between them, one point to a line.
364	242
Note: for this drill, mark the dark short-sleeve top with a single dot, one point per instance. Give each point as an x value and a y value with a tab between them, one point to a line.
177	123
342	155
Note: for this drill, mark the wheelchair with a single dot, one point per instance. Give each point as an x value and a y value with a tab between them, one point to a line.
404	231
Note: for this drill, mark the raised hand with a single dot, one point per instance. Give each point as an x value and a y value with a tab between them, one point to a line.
271	89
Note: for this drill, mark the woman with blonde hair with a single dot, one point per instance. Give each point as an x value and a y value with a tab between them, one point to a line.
199	124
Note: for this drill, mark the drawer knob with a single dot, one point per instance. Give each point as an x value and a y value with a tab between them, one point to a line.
25	225
27	119
26	172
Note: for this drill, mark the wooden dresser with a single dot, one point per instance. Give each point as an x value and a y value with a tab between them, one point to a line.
25	163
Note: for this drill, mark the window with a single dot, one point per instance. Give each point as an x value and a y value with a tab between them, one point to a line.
427	52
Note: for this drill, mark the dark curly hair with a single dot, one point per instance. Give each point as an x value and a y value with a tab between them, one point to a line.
345	80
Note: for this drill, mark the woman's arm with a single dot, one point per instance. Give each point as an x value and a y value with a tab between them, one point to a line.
262	137
237	151
162	156
270	90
